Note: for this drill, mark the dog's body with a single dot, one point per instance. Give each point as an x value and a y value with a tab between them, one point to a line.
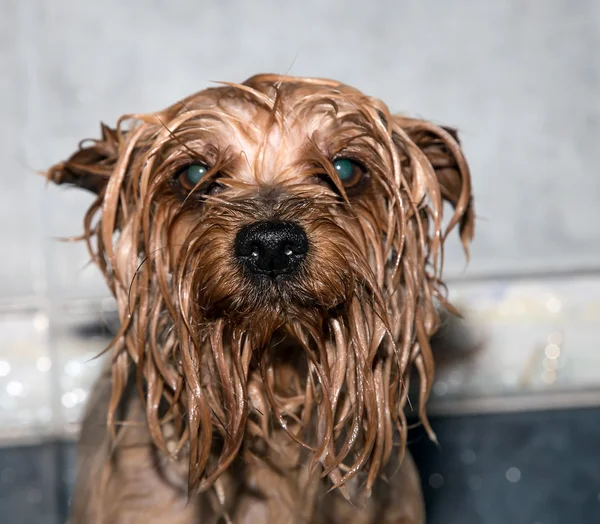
142	485
275	250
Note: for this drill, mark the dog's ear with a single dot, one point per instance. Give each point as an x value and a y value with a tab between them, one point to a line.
91	165
442	148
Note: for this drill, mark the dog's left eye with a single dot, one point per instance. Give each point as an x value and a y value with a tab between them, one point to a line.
349	171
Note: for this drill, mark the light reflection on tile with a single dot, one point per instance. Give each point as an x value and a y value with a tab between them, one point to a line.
79	335
25	389
510	342
529	337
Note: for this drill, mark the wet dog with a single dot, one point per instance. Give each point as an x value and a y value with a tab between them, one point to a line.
275	249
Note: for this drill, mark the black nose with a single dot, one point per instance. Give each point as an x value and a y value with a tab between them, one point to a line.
271	248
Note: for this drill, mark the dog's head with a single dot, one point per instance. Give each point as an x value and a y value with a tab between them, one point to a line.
275	249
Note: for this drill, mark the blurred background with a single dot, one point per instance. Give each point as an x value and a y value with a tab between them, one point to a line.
515	404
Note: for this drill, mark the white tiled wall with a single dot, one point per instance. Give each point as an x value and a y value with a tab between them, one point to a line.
519	79
528	343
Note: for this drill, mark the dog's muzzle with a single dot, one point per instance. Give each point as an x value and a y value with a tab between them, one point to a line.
271	248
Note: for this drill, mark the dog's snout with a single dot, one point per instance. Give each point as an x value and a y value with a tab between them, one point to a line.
271	248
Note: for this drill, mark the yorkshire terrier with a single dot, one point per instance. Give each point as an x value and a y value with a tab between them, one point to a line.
275	249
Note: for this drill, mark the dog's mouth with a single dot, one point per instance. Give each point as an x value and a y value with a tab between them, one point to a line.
274	267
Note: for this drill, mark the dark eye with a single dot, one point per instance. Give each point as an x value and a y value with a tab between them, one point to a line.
191	175
350	172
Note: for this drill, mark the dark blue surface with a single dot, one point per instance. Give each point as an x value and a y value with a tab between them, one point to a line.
466	478
556	481
32	484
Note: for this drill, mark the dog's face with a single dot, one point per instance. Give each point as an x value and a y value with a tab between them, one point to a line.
281	209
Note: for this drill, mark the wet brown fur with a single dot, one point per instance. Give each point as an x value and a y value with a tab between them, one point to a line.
253	401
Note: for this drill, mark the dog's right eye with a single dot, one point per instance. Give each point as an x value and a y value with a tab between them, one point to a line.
191	176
